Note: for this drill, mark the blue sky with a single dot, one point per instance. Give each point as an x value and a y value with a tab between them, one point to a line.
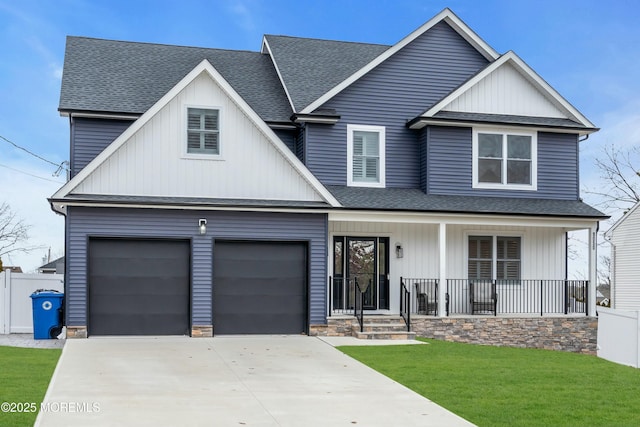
589	51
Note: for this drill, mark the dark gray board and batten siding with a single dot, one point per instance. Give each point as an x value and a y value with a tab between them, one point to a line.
90	136
398	90
83	223
448	169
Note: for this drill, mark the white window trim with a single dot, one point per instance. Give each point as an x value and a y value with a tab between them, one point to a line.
365	128
494	255
185	129
504	186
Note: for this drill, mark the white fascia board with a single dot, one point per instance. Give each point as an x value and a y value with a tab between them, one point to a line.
609	232
419	124
461	219
204	66
446	15
266	49
61	207
528	73
95	115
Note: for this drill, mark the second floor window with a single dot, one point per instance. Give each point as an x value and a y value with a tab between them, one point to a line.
504	160
203	131
365	156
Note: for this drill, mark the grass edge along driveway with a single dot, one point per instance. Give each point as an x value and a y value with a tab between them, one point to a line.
502	386
25	374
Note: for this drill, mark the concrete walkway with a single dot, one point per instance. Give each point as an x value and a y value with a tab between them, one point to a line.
226	381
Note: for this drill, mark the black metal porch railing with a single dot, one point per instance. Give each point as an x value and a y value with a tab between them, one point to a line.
517	296
424	295
342	295
346	297
405	304
359	304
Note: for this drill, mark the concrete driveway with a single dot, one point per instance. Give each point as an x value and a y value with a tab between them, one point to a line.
226	381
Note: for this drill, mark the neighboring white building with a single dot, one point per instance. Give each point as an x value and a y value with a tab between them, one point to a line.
624	237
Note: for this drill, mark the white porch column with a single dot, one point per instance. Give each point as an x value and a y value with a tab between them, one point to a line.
442	269
593	266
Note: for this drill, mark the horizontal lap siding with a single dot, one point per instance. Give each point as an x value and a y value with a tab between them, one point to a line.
144	223
449	160
558	165
626	268
288	137
300	146
449	165
398	90
90	136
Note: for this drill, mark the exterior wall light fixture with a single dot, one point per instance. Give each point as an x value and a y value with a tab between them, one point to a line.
399	250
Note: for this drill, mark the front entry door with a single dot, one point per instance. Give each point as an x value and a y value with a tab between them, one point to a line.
365	260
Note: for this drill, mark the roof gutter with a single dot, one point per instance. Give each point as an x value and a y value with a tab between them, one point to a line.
99	114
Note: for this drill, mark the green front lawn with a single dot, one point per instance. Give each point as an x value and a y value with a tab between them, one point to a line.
499	386
24	377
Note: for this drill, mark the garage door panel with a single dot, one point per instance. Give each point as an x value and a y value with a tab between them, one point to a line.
139	287
145	288
260	287
144	304
254	325
260	305
127	267
254	288
130	324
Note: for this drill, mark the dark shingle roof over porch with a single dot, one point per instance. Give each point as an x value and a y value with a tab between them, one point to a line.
409	199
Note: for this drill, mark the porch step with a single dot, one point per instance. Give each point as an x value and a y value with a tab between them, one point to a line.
385	335
382	328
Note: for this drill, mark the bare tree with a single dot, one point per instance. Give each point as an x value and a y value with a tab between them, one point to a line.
620	175
618	192
13	232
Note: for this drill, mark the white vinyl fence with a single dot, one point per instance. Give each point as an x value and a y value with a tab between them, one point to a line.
15	305
619	336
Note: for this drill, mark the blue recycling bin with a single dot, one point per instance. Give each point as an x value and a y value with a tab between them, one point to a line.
47	313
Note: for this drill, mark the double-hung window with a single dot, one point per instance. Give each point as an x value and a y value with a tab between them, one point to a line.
494	257
504	160
365	156
203	131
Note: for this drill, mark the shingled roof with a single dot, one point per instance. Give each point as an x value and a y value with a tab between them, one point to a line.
409	199
312	67
125	77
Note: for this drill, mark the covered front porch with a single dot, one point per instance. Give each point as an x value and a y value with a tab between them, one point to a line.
456	265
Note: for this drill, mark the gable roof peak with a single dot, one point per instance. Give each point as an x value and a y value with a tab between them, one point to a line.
207	68
445	15
510	58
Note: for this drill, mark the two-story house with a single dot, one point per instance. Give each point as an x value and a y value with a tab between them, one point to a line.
221	192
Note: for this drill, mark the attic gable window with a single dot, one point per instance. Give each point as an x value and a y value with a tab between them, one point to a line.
203	131
504	159
365	156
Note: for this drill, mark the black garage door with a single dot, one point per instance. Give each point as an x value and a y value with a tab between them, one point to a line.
259	288
138	287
